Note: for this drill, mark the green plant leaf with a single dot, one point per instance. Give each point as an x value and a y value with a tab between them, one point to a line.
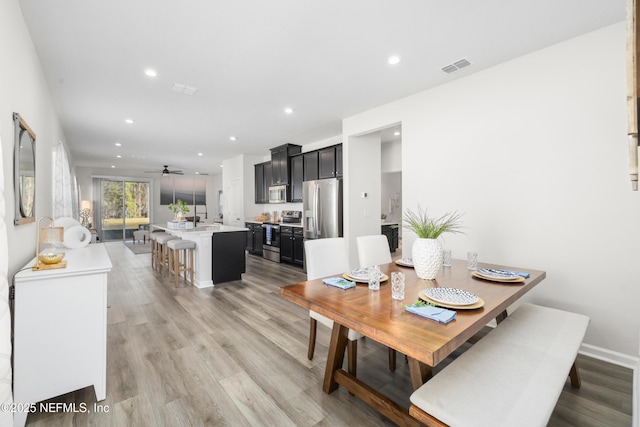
431	228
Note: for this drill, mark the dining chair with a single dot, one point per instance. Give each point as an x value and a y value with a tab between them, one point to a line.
324	257
374	250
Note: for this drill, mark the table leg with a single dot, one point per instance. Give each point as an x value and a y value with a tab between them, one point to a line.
500	317
335	357
419	372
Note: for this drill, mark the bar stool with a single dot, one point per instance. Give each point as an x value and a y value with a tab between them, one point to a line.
181	258
162	252
154	248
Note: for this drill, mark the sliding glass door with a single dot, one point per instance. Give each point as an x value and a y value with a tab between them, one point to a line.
124	207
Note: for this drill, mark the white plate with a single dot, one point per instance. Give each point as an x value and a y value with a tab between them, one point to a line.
497	274
451	296
360	273
407	262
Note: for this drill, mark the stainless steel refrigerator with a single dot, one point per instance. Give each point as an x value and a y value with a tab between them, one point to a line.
322	208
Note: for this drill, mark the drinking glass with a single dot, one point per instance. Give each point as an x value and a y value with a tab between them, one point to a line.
472	261
374	278
446	257
397	285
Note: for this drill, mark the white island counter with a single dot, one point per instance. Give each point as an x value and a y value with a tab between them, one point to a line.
219	253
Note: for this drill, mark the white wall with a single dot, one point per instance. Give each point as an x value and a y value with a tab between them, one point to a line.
391	153
23	89
361	164
392	156
391	187
534	152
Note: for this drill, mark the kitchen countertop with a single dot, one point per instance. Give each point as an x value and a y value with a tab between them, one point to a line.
390	223
282	224
202	228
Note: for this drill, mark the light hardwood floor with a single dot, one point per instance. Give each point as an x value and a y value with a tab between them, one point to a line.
236	355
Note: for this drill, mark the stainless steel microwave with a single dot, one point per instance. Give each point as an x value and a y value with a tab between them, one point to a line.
278	194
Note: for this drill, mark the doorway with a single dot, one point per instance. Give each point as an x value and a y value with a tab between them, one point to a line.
123	207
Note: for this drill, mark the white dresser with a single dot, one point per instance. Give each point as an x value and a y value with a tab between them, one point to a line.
60	328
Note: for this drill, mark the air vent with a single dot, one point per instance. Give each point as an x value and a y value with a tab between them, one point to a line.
183	89
450	68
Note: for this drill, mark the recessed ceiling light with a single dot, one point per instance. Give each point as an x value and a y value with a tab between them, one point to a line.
393	60
233	138
119	156
129	121
288	110
200	154
151	72
221	166
396	133
113	166
197	173
118	144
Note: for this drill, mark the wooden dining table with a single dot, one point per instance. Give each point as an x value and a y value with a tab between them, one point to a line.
425	342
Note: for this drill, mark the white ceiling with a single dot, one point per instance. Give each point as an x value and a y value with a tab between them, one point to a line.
249	59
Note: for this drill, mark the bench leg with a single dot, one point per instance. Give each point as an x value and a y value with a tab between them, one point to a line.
575	376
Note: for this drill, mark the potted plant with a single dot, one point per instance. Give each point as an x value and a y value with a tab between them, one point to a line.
427	250
179	208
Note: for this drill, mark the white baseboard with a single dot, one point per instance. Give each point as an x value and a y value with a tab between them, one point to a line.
623	360
620	359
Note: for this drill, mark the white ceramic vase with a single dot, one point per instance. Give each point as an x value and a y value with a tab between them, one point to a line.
427	257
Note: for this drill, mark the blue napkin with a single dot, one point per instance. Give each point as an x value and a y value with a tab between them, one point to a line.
339	282
440	314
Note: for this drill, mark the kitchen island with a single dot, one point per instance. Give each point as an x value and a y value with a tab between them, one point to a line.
219	254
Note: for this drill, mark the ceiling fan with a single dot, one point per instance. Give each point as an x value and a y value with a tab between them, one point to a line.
166	171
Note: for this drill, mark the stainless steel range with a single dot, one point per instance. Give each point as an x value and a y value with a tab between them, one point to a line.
271	234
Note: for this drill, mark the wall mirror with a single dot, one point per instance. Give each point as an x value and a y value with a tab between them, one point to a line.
24	169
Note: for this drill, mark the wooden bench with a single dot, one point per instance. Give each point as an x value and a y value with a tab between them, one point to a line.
511	377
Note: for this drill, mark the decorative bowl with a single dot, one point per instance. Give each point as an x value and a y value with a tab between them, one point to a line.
51	257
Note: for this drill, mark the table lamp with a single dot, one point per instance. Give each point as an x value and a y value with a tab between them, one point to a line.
49	235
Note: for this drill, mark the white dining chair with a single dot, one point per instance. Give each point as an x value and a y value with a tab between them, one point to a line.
374	250
323	258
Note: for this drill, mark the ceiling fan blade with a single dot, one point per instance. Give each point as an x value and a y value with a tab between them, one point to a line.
177	172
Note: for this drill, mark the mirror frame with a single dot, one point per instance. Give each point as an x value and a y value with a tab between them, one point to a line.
21	127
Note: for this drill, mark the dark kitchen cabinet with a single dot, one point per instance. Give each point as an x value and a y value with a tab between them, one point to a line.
311	166
268	180
280	162
228	260
297	177
254	238
260	195
330	162
327	163
292	245
262	182
391	231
